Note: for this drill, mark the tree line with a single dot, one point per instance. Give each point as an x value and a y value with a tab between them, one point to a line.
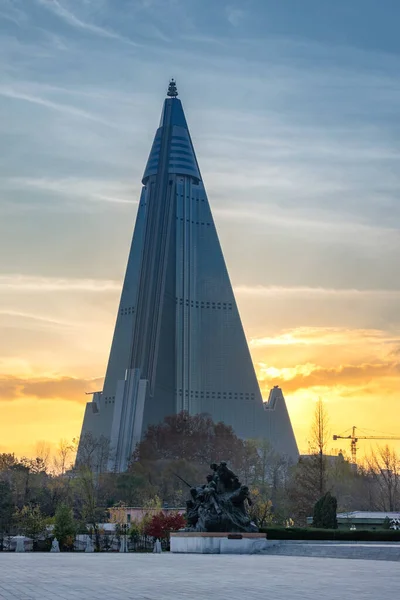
180	450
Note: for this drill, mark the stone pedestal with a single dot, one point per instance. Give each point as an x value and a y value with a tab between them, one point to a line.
188	542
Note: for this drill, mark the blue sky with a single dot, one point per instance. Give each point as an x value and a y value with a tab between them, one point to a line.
293	108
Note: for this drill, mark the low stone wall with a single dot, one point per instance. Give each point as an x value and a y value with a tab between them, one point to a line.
350	550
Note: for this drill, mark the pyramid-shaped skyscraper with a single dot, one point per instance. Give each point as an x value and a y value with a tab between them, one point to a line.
178	342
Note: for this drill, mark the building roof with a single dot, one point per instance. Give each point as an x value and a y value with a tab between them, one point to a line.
366	514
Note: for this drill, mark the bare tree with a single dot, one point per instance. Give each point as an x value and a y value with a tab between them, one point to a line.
62	460
319	442
92	452
42	453
384	470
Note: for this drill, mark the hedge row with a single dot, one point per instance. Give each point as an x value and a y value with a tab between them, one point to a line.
311	533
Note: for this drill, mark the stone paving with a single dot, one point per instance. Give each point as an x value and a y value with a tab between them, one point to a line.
194	577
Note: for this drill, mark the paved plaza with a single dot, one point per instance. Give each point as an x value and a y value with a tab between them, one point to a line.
194	577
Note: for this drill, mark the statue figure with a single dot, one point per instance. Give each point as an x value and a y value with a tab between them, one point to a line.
20	546
220	504
89	545
123	546
191	513
157	549
239	497
210	496
55	546
225	477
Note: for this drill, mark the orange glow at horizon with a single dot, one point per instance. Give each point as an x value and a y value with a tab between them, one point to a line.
353	371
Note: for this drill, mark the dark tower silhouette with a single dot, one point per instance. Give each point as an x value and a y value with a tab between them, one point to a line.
178	342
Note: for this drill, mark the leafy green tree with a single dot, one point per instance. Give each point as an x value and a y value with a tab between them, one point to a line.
64	527
32	523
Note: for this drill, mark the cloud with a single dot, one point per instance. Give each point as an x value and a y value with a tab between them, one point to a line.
306	291
312	376
324	336
12	13
66	388
91	189
33	317
71	19
31	283
9	92
352	229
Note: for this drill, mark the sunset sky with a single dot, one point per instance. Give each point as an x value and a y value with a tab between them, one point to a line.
293	108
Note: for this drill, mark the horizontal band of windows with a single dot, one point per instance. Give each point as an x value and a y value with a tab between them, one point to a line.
207	223
129	310
195	199
179	137
204	304
198	394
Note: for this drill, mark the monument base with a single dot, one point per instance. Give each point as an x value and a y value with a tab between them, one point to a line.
193	542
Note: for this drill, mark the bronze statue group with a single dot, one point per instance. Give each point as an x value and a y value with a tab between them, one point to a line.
220	505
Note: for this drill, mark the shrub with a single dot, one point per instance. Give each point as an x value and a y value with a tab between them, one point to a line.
161	524
312	533
324	515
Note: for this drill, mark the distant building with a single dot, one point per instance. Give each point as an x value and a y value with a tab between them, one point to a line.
134	514
360	519
179	343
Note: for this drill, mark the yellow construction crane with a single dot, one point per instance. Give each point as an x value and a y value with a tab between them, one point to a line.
354	439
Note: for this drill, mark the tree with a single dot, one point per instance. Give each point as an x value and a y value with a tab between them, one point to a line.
87	492
196	439
261	509
161	524
43	451
64	527
319	441
182	445
6	510
325	512
63	458
32	523
303	490
7	461
92	452
384	470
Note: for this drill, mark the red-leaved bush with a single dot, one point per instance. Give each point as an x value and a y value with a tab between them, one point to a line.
161	524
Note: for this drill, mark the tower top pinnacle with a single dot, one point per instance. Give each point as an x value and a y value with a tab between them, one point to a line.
172	90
